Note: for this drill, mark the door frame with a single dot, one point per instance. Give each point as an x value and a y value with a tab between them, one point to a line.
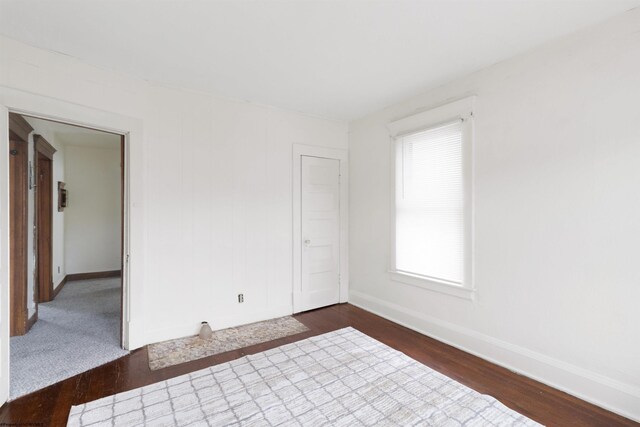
20	321
44	107
341	155
44	282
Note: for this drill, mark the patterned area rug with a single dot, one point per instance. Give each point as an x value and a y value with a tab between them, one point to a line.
343	378
183	350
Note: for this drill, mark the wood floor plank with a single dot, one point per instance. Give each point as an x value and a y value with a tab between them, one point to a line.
539	402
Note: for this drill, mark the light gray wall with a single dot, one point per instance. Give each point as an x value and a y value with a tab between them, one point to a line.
92	218
211	199
557	216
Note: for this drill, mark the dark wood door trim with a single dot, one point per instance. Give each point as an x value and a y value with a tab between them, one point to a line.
19	128
32	320
92	275
43	146
44	152
44	219
18	246
19	131
58	288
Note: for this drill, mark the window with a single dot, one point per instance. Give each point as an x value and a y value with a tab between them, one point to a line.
431	210
430	204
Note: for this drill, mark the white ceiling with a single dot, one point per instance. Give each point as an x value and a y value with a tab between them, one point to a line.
339	59
74	135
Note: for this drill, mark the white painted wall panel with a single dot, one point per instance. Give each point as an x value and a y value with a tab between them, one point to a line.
58	217
92	228
557	211
216	191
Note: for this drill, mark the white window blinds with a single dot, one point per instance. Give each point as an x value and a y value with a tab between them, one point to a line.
430	204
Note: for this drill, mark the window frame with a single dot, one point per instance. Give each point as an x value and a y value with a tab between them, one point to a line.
462	110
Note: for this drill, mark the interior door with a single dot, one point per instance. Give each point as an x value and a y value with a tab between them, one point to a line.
320	227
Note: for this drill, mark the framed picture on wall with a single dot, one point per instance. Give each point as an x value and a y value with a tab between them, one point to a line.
62	196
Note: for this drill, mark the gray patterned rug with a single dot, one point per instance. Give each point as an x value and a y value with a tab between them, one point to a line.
183	350
343	378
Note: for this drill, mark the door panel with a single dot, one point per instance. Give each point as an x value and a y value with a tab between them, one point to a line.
320	226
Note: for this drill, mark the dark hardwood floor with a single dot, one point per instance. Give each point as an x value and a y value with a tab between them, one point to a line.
539	402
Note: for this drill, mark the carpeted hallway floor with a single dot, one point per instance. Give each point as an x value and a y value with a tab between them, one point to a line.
77	331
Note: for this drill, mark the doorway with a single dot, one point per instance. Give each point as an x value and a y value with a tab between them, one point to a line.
33	105
78	249
320	272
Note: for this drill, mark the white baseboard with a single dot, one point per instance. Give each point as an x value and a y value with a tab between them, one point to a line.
608	393
217	322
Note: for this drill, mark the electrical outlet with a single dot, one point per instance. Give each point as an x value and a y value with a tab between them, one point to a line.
240	298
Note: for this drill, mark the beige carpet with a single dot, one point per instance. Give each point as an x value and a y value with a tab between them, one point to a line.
183	350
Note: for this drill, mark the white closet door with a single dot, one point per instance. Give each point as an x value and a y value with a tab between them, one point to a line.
320	223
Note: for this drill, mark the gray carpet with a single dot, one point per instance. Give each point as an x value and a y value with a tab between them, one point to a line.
342	378
77	331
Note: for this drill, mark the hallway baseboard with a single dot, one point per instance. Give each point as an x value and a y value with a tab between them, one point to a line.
89	276
32	320
58	288
84	276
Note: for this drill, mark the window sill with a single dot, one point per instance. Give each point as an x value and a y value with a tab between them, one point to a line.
433	285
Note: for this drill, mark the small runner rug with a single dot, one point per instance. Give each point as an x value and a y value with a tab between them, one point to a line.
183	350
343	378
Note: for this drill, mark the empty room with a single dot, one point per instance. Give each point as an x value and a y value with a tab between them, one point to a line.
319	212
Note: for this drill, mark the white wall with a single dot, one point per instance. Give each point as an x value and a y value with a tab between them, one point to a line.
58	257
557	217
31	258
214	207
92	218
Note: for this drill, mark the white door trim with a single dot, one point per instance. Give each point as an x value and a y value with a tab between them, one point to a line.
300	150
4	254
54	109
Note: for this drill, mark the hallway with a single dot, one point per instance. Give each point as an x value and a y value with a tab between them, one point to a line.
77	331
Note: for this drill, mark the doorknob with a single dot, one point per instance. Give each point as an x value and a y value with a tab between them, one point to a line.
307	242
